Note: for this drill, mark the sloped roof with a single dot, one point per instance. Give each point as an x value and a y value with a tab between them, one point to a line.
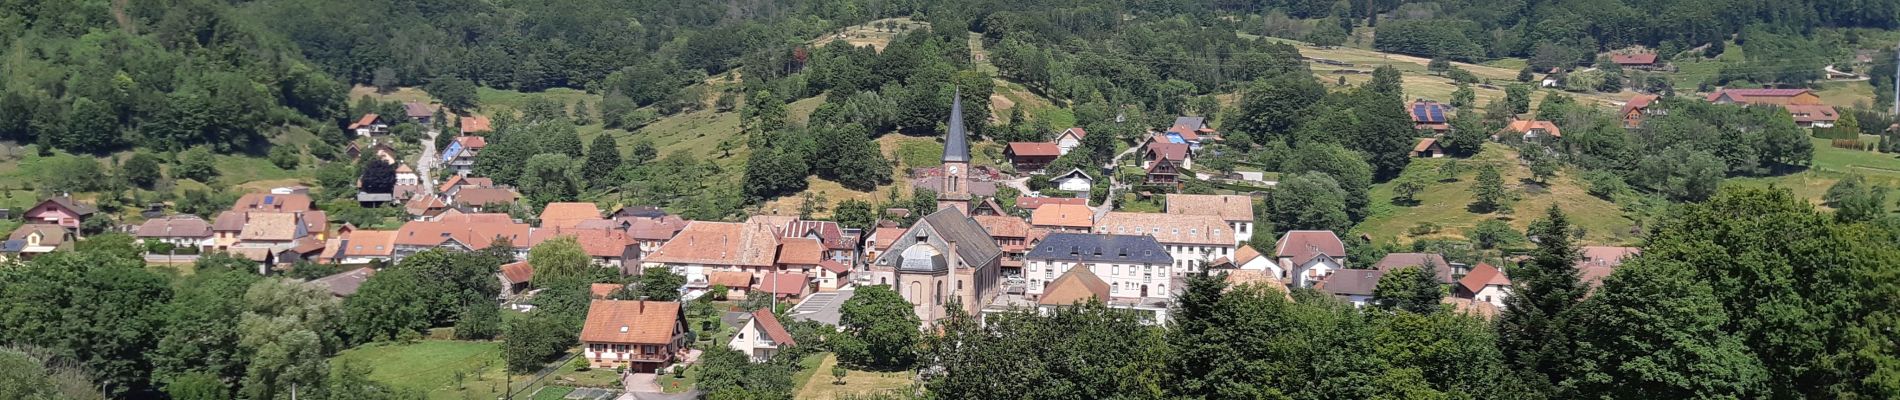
1743	95
720	243
1003	225
974	245
368	243
828	233
473	142
1168	151
1812	112
1091	247
474	124
661	228
472	230
82	209
1483	275
800	251
482	196
1078	284
768	324
1351	282
270	226
1637	102
1424	144
1525	126
783	283
1231	208
417	110
730	279
228	221
567	214
631	321
1428	112
1302	246
1244	254
50	234
603	290
1200	230
176	226
1077	131
1034	149
1032	203
1393	261
517	272
1062	215
346	283
366	120
273	202
605	243
1240	277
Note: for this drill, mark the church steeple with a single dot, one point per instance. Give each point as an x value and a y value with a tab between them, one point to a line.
956	146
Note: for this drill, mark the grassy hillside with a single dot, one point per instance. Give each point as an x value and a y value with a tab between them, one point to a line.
1444	203
1422	83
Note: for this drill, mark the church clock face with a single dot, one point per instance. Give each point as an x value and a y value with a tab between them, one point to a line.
953	169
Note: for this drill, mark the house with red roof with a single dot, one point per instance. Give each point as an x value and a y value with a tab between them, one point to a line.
370	125
1802	104
1485	283
1534	129
1070	139
473	125
60	210
1031	156
1306	257
761	336
641	336
1642	61
1637	109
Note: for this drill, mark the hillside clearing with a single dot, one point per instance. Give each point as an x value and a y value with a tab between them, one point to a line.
444	369
1444	203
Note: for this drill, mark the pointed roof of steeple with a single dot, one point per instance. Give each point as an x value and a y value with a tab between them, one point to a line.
956	147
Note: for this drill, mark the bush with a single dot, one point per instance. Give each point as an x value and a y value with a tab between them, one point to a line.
1423	228
1604	185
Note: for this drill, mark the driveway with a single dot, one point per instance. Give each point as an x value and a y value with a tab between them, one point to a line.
643	382
426	164
822	306
592	394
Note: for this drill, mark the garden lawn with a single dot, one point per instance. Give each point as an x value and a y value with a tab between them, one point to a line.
553	393
432	366
1444	203
856	383
1830	165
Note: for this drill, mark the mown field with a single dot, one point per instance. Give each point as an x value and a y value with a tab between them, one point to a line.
1444	204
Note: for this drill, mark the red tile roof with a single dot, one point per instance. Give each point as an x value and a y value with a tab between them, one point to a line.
1078	284
273	202
368	119
1637	102
1743	95
517	272
772	329
1812	112
720	243
1483	275
827	232
730	279
1525	126
1034	149
1032	203
1229	207
834	266
1302	246
367	243
800	251
1168	151
1424	145
631	321
603	243
473	142
474	124
1003	225
474	232
567	214
603	290
783	283
1063	215
1077	131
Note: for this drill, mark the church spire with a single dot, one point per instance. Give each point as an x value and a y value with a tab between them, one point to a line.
956	147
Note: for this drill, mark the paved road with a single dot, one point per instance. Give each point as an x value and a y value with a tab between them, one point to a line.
1108	203
426	164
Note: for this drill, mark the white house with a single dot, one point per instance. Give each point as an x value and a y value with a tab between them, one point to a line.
1246	258
1309	256
1133	266
1485	283
1070	139
761	336
1193	241
1237	210
179	230
370	125
1074	181
1354	285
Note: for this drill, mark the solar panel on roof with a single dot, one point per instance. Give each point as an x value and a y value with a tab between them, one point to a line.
1418	111
268	199
1438	114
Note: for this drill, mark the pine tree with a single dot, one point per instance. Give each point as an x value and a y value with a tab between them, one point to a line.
1534	330
602	158
1489	190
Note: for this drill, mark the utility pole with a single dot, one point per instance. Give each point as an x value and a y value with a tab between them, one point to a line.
1896	80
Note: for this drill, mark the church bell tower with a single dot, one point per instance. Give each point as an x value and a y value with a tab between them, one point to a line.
955	191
